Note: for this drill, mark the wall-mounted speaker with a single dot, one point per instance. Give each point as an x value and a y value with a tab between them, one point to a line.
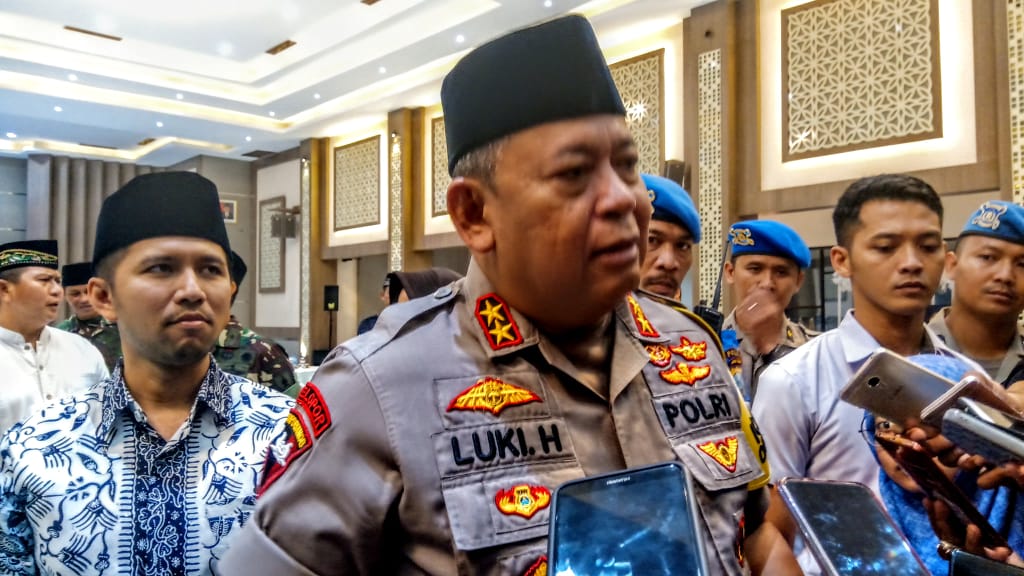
331	298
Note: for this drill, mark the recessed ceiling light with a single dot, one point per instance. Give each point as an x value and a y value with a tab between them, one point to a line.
179	96
12	135
316	96
159	124
547	3
73	77
58	109
225	48
382	70
460	39
248	138
272	113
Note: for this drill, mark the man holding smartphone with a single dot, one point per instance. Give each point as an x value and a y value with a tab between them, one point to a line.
987	272
434	443
889	244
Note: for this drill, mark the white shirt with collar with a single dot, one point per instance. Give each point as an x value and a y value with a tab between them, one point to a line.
61	363
809	431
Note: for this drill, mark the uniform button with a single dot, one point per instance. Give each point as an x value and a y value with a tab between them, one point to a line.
443	292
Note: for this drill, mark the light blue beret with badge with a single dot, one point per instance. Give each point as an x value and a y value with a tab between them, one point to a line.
771	238
997	219
672	203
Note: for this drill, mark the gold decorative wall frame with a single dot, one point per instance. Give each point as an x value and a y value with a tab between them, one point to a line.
439	163
357	184
272	252
859	75
641	83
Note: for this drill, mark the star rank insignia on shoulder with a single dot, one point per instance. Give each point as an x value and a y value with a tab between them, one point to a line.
496	319
643	325
723	451
492	395
522	500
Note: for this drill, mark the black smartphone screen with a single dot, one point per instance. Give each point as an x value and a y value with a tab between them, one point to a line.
637	523
844	523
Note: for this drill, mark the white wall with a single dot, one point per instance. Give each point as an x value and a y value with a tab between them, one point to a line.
281	309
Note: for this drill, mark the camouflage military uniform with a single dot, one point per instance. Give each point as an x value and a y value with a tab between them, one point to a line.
103	335
245	353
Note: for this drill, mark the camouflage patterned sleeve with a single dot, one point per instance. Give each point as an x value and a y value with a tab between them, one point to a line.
271	366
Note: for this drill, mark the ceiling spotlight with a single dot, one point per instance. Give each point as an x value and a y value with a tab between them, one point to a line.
58	109
179	96
12	135
382	70
248	138
460	39
272	113
159	124
316	96
73	77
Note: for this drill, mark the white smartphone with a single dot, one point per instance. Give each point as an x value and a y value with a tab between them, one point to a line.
893	387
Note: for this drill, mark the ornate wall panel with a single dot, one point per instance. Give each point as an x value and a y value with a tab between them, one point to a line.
709	169
439	163
1015	44
357	184
271	248
396	241
859	74
640	81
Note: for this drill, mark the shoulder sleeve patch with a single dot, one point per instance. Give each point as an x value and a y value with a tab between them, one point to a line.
312	402
292	442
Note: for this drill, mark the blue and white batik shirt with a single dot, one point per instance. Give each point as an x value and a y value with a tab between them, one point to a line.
88	487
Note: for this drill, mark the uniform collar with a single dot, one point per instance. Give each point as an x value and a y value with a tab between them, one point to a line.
214	393
15	339
499	329
231	335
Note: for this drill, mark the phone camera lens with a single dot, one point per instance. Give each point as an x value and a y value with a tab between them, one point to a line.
874	381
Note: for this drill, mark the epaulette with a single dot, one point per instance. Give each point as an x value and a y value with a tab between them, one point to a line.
682	309
396	316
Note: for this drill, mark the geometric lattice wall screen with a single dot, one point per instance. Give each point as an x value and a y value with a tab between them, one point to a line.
640	81
357	184
859	74
439	167
1015	54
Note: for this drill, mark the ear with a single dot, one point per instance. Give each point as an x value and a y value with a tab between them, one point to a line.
840	261
728	272
102	298
951	262
467	200
800	275
234	288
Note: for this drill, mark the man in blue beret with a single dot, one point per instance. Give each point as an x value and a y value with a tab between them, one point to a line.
674	229
987	272
765	270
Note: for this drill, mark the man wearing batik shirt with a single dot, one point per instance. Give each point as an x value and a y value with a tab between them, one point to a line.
153	470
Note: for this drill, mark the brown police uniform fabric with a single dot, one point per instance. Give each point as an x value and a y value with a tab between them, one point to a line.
401	483
1009	369
793	335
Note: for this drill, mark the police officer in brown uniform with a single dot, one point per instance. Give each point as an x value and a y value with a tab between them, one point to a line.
433	444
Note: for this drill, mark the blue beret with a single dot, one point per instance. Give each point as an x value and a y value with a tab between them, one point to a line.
672	203
769	238
997	219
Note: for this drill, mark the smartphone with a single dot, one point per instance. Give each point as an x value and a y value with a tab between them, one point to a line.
986	439
920	466
1005	419
847	529
967	564
893	387
973	388
633	522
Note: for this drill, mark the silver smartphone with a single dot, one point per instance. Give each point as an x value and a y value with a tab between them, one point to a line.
893	387
636	522
848	530
991	436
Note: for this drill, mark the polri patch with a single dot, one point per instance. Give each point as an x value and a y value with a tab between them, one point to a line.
643	325
724	451
294	440
692	351
522	500
492	395
683	373
312	401
660	354
496	319
538	568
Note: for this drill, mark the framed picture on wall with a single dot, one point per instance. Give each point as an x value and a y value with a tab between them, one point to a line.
228	210
271	247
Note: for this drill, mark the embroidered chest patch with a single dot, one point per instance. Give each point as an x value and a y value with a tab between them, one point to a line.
492	395
538	568
724	451
497	321
643	325
522	500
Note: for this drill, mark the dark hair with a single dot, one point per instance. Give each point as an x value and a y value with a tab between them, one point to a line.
900	187
13	275
108	264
